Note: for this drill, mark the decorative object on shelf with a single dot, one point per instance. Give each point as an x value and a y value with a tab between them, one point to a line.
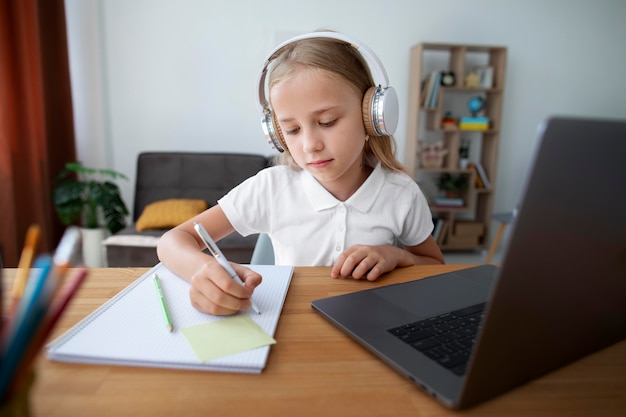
485	76
431	154
87	196
454	185
448	79
448	122
476	104
472	80
464	150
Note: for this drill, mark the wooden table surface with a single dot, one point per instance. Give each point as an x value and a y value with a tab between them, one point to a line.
313	370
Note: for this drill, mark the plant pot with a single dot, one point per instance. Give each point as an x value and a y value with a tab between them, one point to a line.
93	249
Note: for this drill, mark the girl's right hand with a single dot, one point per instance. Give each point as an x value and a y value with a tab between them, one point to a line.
213	291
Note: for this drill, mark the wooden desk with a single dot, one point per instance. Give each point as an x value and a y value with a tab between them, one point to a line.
313	370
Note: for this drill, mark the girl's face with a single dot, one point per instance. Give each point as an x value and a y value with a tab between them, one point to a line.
320	117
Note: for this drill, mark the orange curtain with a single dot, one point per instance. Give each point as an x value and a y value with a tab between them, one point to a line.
36	128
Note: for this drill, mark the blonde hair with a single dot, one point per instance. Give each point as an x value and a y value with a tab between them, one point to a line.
347	63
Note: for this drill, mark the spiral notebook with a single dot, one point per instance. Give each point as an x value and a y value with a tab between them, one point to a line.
129	329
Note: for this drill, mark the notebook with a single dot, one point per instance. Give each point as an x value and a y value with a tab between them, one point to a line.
129	329
558	295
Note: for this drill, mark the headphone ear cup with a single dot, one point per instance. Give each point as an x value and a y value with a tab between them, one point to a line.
279	135
366	109
273	134
380	111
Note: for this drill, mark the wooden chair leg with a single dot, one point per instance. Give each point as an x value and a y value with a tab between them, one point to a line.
496	241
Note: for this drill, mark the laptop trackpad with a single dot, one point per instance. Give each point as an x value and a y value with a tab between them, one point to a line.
441	293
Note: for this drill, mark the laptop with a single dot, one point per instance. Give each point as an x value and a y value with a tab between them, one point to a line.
559	293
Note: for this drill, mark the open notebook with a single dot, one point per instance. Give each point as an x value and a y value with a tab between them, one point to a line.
129	329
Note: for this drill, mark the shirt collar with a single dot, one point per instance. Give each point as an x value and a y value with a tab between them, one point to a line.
362	199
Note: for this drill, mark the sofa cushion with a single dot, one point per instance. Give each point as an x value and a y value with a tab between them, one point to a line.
168	213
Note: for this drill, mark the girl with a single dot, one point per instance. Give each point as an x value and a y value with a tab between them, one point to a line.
338	198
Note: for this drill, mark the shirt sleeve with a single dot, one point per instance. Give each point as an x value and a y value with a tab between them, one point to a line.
245	205
418	223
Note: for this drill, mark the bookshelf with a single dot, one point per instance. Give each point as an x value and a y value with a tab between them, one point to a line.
453	127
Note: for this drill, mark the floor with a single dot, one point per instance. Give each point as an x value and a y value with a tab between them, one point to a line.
478	256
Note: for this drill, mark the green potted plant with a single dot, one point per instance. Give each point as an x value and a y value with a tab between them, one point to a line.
453	185
87	196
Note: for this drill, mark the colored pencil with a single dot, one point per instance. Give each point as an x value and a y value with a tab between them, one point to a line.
53	314
23	267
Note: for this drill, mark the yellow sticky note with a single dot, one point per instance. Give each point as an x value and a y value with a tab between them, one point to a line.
226	336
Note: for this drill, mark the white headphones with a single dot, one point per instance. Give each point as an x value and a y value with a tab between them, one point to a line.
380	103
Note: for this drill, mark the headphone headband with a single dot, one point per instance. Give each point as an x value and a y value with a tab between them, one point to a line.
379	73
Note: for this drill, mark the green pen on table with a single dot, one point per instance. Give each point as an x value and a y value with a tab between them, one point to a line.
166	313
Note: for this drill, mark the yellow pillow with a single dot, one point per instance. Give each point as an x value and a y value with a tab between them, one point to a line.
169	213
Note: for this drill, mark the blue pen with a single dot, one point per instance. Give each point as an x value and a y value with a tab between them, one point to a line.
219	257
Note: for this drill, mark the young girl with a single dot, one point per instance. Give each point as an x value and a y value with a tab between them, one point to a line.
338	198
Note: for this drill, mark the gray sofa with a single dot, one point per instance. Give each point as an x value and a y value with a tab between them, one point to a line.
166	175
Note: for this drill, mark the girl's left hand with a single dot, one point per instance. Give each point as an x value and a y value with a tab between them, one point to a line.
370	262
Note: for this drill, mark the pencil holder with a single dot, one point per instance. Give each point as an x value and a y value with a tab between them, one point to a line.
17	404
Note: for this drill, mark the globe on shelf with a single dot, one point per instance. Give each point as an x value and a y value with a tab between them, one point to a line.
476	104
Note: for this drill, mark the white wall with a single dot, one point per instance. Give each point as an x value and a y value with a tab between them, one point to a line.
180	74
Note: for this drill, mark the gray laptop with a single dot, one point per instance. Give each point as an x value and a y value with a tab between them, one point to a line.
559	294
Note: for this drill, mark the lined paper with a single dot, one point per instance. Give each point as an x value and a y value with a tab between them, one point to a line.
129	328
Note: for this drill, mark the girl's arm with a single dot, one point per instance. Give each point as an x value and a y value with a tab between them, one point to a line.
212	289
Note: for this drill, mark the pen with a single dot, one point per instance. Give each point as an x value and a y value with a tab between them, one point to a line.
219	256
19	283
23	268
166	313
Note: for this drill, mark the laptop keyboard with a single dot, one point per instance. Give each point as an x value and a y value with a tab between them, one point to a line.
447	339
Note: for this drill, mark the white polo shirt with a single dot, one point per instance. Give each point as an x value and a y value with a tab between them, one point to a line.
308	226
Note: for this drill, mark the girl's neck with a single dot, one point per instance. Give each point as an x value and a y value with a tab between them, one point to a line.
342	195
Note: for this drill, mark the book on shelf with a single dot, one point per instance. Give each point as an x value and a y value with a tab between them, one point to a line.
430	100
474	119
474	126
435	95
474	123
477	179
424	91
483	175
449	202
